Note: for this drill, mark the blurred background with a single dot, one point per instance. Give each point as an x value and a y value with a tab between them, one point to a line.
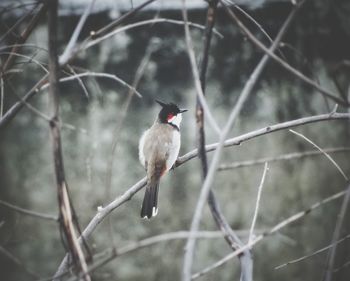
317	43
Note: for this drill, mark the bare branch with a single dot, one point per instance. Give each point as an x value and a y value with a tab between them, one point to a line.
197	82
346	264
31	59
111	254
114	24
103	212
283	157
297	73
251	232
273	230
336	234
11	113
313	253
97	74
65	208
64	58
24	36
28	212
28	45
217	156
269	129
18	262
141	23
1	97
81	83
43	116
325	153
230	236
248	16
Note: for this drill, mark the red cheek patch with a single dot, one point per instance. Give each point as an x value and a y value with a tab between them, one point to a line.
170	116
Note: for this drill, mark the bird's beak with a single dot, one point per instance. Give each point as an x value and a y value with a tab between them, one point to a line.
183	110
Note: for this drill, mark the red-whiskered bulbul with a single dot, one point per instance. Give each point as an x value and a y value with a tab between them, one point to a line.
158	150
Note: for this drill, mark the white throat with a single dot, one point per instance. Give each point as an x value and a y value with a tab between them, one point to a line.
176	120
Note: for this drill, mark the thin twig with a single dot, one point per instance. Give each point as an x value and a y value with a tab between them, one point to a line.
111	254
273	230
24	36
67	54
28	212
266	130
344	265
195	73
12	30
97	74
336	234
43	116
26	45
118	21
141	23
31	59
283	157
230	236
103	212
18	262
284	64
313	253
81	83
324	153
188	259
11	113
251	232
248	16
2	94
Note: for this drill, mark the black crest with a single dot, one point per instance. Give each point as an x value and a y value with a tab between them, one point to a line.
168	109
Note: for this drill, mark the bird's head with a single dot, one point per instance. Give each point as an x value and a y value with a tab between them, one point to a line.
170	113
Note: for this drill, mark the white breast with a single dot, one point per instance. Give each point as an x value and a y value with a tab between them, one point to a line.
174	148
176	120
141	145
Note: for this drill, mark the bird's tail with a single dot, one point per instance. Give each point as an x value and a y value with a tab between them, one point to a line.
150	201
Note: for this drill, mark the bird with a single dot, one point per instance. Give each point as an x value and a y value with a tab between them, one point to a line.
159	148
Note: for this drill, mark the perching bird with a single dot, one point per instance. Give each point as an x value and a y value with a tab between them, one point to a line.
158	150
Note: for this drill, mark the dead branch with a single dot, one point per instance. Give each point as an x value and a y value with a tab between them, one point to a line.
113	253
24	36
216	158
103	212
230	236
28	212
336	234
118	21
319	251
65	208
273	230
324	153
284	157
196	76
19	263
251	232
11	113
97	74
291	69
266	130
